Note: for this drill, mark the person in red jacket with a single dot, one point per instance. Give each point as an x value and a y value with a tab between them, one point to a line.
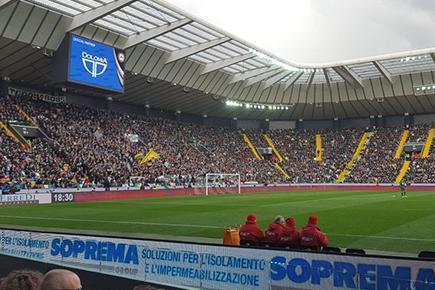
250	231
290	235
275	229
312	236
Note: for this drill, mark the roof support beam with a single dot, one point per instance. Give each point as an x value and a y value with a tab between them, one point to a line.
293	79
188	51
350	77
310	80
262	77
381	68
146	35
97	13
327	77
432	55
4	3
273	80
214	66
251	73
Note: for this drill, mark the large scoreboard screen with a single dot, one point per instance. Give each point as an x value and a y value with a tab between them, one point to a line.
95	64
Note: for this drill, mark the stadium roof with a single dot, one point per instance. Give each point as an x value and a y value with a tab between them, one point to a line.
179	62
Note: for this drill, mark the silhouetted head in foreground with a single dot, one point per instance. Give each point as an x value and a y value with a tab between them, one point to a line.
21	280
61	279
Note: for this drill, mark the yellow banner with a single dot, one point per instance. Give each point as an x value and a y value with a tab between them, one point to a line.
151	155
138	155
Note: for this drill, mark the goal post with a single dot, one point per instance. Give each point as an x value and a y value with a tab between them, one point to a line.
222	183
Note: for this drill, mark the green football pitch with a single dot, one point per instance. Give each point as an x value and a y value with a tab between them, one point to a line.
380	221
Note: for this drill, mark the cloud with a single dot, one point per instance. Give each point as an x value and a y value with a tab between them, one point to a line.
318	31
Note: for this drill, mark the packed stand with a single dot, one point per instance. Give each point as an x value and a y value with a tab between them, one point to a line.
91	147
24	166
422	170
298	148
376	163
86	147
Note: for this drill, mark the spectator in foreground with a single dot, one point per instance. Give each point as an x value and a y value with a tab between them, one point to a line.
275	229
290	235
60	279
312	237
21	280
250	230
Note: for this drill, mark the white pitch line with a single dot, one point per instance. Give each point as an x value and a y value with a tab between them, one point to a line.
111	222
382	237
199	226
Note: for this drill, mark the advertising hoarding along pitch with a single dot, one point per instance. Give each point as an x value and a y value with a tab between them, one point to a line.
218	267
95	64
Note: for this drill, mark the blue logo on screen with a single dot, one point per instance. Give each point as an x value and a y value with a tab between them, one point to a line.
96	64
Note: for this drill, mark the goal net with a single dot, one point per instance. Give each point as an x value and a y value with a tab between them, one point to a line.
222	183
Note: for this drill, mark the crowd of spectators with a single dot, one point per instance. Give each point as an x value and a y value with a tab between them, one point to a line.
298	149
376	163
91	147
88	147
421	170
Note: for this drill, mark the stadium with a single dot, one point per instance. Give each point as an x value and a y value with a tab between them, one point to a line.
140	145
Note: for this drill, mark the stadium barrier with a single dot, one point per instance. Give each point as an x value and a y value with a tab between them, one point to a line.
194	265
63	195
13	199
112	195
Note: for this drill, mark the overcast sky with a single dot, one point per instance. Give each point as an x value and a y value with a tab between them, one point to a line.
316	31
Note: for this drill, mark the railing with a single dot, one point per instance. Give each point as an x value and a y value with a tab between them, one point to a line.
403	171
270	142
351	163
254	151
318	147
401	144
282	171
428	144
26	116
14	136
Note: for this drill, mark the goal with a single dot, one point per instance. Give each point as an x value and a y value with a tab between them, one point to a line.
222	183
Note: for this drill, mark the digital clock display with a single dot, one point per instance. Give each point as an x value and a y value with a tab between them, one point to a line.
63	197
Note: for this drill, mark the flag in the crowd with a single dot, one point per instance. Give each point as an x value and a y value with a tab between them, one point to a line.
151	155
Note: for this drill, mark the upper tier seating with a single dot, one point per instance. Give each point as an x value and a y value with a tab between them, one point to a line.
90	147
